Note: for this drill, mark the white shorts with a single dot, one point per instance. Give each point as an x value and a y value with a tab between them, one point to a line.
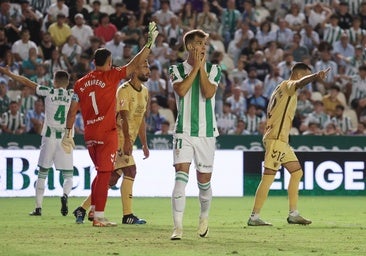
53	153
200	149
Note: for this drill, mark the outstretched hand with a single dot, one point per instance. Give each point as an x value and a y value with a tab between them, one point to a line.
152	34
323	73
67	142
5	70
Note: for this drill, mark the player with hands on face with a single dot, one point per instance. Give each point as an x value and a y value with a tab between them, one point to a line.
194	82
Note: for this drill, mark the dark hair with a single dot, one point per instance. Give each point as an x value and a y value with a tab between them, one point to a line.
62	77
189	36
100	56
341	107
300	66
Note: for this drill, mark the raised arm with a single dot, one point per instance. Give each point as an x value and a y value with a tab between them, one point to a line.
311	78
144	52
21	79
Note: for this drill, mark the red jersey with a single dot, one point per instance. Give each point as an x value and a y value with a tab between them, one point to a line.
96	94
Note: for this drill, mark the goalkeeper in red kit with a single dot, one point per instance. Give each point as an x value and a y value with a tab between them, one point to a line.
95	96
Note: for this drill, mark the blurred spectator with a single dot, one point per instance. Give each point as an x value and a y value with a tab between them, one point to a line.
343	50
127	55
249	84
286	65
121	15
237	101
55	10
356	33
161	49
82	32
94	14
252	120
298	51
153	118
20	48
105	29
309	38
71	51
260	64
229	18
274	54
357	99
14	67
361	129
155	84
115	46
330	101
35	118
27	99
332	31
331	129
131	34
173	31
248	52
188	17
82	67
240	129
12	121
78	8
10	20
295	18
164	14
362	14
238	74
271	81
41	5
249	16
325	62
32	20
313	128
29	65
41	76
318	14
258	100
59	30
144	14
4	99
4	44
345	18
176	6
207	20
317	116
265	34
95	43
304	105
56	62
164	129
342	121
284	34
240	41
46	46
226	120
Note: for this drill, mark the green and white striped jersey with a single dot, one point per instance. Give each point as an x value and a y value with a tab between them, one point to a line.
196	115
57	104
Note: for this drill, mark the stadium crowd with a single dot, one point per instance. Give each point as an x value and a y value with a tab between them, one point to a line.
256	42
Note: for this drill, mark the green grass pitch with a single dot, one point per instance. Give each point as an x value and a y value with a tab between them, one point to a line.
339	228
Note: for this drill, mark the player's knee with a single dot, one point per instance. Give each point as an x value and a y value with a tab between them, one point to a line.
297	174
113	179
130	171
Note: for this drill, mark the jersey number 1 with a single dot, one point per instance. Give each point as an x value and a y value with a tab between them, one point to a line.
94	102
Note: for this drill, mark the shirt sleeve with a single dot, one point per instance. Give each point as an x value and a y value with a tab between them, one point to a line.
42	90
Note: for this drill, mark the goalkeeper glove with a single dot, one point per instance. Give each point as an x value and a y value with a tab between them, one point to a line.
152	34
67	142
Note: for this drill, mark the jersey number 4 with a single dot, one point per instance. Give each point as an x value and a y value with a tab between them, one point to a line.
60	114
